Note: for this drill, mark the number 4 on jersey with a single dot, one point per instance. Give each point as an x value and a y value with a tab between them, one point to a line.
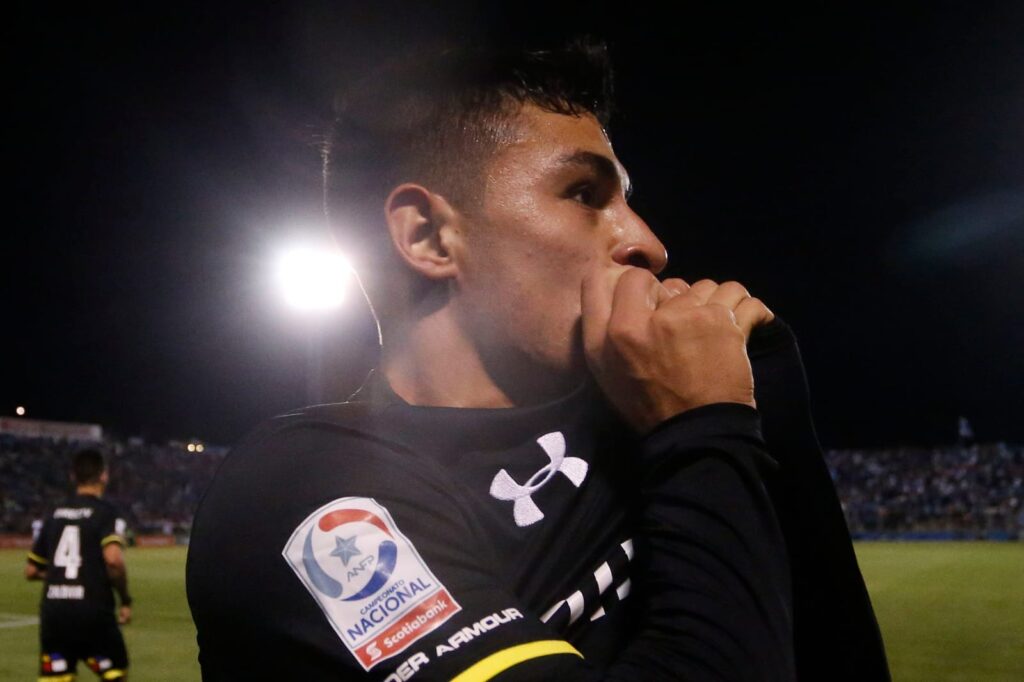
68	554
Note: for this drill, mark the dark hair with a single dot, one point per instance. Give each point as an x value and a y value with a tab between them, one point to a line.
87	466
435	114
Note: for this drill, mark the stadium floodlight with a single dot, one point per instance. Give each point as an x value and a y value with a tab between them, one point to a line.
313	279
19	410
191	447
199	447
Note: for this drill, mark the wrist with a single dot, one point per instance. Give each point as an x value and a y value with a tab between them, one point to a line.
702	413
716	427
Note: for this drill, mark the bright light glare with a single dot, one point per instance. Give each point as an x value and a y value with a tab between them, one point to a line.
20	411
199	447
313	279
191	447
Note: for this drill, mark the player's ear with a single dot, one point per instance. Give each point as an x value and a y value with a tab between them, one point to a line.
424	229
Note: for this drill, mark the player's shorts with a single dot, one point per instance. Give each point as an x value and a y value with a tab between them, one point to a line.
97	644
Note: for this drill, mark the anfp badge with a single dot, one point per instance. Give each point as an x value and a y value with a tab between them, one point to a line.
371	583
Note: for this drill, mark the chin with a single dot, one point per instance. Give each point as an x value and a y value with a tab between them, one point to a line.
569	361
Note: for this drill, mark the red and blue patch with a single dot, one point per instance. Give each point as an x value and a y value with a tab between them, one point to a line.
375	589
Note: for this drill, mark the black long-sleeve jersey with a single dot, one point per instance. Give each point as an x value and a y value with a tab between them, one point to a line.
836	635
379	540
70	549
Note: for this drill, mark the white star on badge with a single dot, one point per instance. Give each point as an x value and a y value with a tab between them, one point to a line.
344	548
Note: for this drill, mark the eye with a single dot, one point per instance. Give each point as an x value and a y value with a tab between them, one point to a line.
585	193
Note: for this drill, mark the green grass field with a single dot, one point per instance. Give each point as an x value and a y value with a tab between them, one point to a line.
950	612
161	639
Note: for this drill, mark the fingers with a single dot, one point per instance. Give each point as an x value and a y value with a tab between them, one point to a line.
622	302
663	293
690	295
596	306
618	303
637	294
752	312
675	285
748	311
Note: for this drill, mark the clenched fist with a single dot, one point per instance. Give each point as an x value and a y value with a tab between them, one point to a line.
660	348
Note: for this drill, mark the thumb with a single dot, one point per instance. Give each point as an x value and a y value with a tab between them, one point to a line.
596	295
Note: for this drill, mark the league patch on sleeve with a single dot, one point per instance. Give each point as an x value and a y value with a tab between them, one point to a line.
371	583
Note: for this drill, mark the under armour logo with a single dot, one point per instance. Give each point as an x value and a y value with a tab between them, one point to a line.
524	509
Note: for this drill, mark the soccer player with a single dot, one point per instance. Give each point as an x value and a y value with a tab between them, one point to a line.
558	469
79	555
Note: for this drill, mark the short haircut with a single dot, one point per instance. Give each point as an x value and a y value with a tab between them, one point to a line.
87	466
435	116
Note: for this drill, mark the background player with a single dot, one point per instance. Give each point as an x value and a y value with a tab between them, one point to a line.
79	554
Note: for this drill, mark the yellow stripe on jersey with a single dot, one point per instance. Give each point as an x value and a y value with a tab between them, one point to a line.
113	537
58	678
114	674
506	658
36	558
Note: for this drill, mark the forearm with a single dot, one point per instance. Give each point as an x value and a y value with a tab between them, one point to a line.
713	586
118	576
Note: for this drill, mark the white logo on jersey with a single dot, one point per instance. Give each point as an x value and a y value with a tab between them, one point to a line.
524	509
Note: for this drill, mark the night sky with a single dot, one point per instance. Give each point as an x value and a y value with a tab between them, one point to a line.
861	170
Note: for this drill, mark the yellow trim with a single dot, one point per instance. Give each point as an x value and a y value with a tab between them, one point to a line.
58	678
36	558
506	658
114	674
112	538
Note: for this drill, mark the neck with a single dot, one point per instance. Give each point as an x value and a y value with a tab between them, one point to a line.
90	489
431	361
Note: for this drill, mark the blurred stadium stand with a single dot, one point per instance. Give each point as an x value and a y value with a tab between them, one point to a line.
947	493
962	491
157	487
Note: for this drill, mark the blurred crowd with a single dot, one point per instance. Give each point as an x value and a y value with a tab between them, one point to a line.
959	491
156	487
965	491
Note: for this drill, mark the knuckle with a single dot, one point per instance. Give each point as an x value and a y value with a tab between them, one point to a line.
753	302
734	285
719	315
664	321
703	316
624	338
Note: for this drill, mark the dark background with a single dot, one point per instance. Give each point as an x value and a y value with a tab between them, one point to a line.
860	169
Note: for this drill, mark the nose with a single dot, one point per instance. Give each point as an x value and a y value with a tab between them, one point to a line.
639	247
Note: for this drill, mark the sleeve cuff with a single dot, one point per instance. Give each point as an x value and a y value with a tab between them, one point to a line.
113	538
38	560
716	426
769	337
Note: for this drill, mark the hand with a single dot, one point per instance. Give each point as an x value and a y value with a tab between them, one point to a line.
661	348
124	615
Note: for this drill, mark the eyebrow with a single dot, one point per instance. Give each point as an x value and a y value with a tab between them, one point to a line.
599	164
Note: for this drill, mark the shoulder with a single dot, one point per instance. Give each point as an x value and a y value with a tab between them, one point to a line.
299	461
325	467
351	438
106	507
